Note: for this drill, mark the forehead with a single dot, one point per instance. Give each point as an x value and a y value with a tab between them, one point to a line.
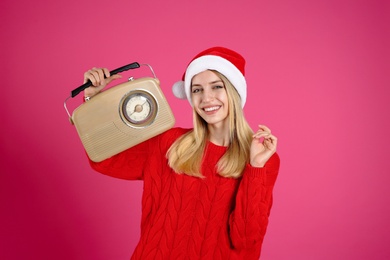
205	77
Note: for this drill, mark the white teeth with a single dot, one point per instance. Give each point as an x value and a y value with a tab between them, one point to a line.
208	109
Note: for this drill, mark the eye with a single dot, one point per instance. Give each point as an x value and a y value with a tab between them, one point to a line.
218	87
195	90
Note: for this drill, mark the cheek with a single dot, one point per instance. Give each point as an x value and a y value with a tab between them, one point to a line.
195	102
222	97
195	99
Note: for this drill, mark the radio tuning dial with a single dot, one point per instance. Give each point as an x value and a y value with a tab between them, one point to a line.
139	108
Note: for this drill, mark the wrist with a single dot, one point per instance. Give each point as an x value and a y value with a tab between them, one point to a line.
257	164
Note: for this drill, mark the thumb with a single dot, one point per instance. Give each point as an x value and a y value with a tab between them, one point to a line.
113	77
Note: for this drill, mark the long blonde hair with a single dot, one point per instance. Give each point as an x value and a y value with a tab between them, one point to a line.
186	153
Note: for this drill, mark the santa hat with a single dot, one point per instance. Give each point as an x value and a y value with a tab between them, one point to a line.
229	63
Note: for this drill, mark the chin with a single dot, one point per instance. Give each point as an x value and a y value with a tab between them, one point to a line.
214	121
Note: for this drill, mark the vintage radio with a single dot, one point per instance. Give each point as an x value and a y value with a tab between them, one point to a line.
121	116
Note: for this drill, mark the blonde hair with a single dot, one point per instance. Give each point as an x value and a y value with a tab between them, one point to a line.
186	153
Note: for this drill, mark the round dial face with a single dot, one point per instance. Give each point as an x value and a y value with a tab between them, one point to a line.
139	108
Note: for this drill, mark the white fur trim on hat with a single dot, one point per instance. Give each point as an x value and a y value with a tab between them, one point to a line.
225	67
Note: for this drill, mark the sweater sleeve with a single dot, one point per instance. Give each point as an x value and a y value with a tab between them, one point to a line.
133	163
249	219
126	165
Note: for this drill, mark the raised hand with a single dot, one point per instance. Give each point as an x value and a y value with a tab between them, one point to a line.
96	76
263	146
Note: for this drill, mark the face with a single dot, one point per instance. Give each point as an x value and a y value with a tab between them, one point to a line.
209	98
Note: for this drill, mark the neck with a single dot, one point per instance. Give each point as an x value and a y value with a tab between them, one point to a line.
219	135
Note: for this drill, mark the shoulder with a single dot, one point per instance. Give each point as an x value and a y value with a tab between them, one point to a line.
170	136
177	131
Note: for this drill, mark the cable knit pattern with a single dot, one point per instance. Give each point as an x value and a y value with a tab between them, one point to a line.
185	217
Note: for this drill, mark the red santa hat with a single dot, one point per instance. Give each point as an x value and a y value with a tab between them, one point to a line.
228	62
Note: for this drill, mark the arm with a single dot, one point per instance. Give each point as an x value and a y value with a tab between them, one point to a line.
125	165
249	220
128	164
134	162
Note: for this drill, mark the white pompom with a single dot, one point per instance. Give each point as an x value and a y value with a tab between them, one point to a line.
178	90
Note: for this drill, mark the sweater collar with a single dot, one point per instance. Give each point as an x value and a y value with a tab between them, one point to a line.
216	148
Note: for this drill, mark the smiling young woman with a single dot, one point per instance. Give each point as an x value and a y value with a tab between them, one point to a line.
207	190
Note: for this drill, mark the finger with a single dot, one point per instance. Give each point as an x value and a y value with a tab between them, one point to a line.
113	77
93	76
260	133
96	76
271	142
264	128
100	74
271	138
116	76
261	136
89	76
106	72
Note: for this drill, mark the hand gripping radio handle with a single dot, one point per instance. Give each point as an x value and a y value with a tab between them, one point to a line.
76	91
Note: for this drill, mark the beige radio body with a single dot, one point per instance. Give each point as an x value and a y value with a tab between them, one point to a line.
104	131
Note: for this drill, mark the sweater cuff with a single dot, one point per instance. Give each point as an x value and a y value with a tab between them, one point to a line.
254	171
261	172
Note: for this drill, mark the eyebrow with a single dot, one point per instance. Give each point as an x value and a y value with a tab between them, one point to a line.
212	82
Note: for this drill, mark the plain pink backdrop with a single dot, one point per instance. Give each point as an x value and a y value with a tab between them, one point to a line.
318	75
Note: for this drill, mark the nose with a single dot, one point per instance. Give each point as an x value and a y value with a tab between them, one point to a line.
208	95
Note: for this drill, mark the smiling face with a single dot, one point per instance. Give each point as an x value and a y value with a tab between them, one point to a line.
209	98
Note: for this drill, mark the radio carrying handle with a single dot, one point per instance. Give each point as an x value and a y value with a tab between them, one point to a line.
76	91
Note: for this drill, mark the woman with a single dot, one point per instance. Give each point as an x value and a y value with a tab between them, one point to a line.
207	190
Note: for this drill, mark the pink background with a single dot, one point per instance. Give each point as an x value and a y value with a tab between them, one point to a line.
318	76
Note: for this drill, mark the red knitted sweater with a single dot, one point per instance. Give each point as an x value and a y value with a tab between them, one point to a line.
186	217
